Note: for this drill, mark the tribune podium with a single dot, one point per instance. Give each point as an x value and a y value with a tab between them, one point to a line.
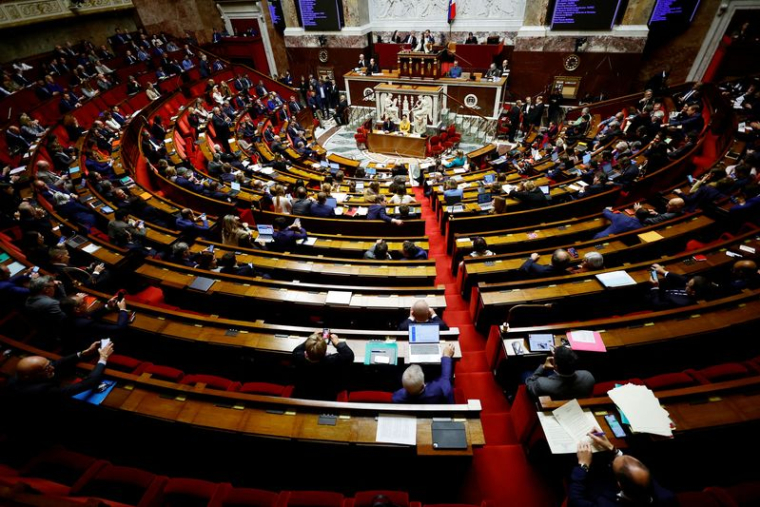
415	64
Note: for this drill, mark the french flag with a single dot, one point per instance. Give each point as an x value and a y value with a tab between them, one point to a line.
452	10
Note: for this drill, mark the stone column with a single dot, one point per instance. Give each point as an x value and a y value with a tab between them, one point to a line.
638	12
197	17
536	12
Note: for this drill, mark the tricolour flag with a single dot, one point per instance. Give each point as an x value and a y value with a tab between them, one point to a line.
452	10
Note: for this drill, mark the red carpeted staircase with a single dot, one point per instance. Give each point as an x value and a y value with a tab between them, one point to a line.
500	471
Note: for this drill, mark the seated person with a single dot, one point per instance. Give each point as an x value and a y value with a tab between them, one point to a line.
188	223
377	211
673	209
388	125
452	193
421	313
455	70
458	161
438	391
405	125
559	264
412	252
319	376
672	290
528	193
82	324
285	236
559	379
621	222
229	265
378	251
321	208
480	248
592	261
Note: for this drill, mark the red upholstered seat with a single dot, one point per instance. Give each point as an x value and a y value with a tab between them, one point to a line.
211	381
370	397
55	471
130	486
523	415
721	372
669	381
601	388
188	493
160	372
312	499
123	363
745	494
248	497
267	389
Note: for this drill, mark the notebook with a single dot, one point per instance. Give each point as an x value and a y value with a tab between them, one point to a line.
485	201
615	279
449	435
265	233
202	284
424	343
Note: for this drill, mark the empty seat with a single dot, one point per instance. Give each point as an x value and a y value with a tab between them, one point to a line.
160	372
124	363
267	389
126	485
370	397
188	493
211	381
721	372
55	471
670	381
244	497
312	499
373	497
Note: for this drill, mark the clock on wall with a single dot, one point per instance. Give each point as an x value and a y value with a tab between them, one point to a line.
323	56
571	62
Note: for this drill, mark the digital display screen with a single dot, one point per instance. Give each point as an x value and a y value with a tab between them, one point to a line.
673	11
584	14
320	15
275	13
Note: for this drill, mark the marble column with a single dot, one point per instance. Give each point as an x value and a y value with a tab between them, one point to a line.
197	17
638	12
276	40
290	14
356	12
536	12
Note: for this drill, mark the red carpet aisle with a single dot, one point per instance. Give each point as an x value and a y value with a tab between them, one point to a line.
500	471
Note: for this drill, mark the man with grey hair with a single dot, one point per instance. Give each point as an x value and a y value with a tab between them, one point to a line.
592	261
415	389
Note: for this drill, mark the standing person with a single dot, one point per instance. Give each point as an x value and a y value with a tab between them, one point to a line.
319	375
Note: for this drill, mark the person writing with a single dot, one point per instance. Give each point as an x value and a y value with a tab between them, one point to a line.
319	374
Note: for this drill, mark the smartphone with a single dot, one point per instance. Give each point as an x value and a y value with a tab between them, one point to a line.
140	223
615	426
105	342
690	178
653	275
120	295
62	241
210	248
326	334
35	269
572	251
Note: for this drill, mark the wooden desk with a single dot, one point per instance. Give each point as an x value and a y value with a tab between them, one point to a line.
398	145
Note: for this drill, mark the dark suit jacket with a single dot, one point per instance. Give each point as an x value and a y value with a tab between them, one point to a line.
321	380
539	270
404	326
598	487
437	391
52	387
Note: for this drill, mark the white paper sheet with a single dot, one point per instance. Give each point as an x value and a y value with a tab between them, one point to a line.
396	429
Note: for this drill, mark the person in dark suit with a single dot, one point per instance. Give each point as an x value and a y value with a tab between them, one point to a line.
388	125
528	193
471	39
673	210
514	114
377	211
688	121
42	305
621	222
614	480
319	376
416	390
559	264
672	290
37	376
285	236
411	40
421	313
189	225
321	208
536	113
222	126
13	288
373	67
83	325
412	252
362	63
559	379
229	265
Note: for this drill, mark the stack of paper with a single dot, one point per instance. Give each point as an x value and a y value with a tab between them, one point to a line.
566	426
642	409
396	429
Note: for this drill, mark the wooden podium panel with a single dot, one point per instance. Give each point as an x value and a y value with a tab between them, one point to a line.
392	144
421	65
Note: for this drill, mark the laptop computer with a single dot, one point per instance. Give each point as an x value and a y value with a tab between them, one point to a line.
235	189
332	202
555	156
265	233
424	343
607	168
489	178
545	189
485	201
586	159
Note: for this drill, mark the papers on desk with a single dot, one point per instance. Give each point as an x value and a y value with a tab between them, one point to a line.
460	170
642	409
15	268
500	160
650	237
396	429
267	170
91	248
362	211
566	426
338	211
339	196
338	297
310	241
615	279
508	188
590	341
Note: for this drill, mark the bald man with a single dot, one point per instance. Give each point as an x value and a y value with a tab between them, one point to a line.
673	209
421	313
38	376
745	275
627	482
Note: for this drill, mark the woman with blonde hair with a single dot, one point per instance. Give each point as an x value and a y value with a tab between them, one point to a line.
235	232
281	200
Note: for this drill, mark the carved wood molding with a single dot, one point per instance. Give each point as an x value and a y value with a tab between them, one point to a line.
34	11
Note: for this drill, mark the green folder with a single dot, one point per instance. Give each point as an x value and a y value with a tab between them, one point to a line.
377	352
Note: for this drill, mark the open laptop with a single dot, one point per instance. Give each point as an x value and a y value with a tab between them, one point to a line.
235	189
489	178
424	343
586	158
485	201
332	202
265	233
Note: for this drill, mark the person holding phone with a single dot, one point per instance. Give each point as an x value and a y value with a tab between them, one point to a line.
559	378
84	324
319	375
614	478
